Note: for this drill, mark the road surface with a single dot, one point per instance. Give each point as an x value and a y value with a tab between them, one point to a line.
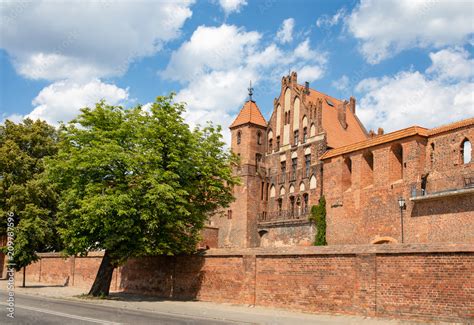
40	310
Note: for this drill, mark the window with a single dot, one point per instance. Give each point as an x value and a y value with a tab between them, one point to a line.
294	165
292	206
282	172
270	145
283	167
466	151
296	134
259	137
280	204
307	165
312	130
305	134
312	183
272	191
278	143
305	202
329	102
239	137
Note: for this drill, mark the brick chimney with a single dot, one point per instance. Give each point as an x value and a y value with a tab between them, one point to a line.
341	114
352	104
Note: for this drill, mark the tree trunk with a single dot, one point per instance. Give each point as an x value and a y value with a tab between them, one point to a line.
101	286
24	277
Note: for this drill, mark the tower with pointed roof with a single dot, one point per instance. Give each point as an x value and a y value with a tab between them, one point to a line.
248	141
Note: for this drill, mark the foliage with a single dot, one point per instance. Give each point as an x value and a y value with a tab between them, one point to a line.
137	182
23	189
318	216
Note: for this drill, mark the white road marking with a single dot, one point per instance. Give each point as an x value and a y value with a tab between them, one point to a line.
57	313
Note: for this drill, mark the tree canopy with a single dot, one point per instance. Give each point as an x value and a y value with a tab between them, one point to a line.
23	189
135	182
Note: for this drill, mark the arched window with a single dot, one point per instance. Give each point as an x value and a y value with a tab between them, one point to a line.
259	137
466	151
282	191
272	191
292	206
305	202
270	141
312	182
239	137
280	204
312	130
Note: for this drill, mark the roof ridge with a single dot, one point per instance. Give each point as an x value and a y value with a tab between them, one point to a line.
451	126
324	94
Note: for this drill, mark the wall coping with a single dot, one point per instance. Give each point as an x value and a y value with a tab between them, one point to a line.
343	250
319	250
60	254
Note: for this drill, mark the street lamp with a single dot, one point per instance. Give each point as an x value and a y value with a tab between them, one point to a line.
401	204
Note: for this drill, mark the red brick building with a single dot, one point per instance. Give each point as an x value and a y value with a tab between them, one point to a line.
314	144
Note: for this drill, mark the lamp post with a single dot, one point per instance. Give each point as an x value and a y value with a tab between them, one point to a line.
401	204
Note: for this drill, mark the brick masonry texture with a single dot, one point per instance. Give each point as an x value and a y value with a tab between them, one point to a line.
314	145
365	208
412	281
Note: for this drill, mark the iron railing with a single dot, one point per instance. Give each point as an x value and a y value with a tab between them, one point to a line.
284	215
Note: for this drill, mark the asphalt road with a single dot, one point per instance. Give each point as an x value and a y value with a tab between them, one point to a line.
40	310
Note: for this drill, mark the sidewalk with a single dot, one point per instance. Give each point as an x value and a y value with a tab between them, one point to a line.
232	313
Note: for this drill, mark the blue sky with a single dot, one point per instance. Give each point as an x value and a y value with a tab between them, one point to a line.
406	62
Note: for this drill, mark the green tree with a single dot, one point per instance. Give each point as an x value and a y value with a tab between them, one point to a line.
318	216
137	183
23	190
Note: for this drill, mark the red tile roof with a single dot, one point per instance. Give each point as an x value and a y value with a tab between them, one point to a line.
400	134
403	133
337	136
250	113
452	126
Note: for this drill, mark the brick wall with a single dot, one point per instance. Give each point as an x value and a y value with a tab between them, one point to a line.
422	281
367	210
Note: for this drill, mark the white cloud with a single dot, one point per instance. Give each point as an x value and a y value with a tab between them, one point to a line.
310	73
211	48
62	100
216	64
342	84
388	27
451	64
326	21
285	33
86	39
230	6
415	98
304	51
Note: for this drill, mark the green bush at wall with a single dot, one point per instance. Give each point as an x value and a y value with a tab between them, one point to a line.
318	216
